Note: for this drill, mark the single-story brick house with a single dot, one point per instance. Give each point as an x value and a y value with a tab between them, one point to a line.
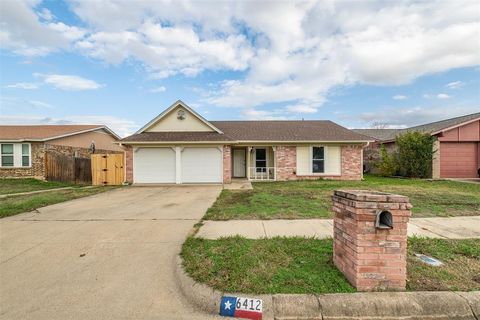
23	147
456	147
180	146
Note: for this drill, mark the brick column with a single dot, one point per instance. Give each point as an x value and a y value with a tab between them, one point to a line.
352	168
436	159
286	162
227	164
371	257
129	164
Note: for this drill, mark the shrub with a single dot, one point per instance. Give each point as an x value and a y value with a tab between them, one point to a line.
387	166
415	151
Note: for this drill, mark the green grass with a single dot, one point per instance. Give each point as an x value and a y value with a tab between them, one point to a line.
9	186
461	269
302	265
278	265
312	199
17	204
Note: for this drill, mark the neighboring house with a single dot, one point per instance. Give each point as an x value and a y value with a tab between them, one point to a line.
179	146
23	147
456	147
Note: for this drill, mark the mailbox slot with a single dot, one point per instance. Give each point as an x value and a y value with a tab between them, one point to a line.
384	220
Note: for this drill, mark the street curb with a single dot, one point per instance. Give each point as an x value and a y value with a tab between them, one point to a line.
208	299
432	305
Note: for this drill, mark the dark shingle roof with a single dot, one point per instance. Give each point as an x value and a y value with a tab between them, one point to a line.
433	127
444	124
379	134
311	130
320	130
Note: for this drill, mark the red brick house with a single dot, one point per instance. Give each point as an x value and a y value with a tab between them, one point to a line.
23	147
456	147
180	146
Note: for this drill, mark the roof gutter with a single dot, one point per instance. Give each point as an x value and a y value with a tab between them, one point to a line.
242	142
22	140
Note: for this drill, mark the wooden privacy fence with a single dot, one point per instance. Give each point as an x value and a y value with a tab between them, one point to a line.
59	167
107	169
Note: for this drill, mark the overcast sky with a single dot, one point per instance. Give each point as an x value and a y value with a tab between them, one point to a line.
120	63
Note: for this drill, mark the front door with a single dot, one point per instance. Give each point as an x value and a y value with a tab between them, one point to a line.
239	169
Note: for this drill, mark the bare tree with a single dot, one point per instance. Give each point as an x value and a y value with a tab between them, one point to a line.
378	125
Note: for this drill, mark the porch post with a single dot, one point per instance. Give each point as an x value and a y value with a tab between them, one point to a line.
274	149
249	149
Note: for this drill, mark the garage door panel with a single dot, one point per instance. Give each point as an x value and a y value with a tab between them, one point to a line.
154	165
202	165
459	160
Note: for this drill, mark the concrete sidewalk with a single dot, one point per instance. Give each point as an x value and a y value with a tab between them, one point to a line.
443	228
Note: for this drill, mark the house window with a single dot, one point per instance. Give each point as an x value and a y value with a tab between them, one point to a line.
260	159
7	155
318	160
15	155
25	155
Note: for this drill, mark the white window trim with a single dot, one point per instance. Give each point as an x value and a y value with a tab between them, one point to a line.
325	157
7	154
29	155
18	146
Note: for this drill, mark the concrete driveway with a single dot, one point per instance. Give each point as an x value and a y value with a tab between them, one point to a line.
108	256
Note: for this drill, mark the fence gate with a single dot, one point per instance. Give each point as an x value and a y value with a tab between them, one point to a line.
59	167
107	169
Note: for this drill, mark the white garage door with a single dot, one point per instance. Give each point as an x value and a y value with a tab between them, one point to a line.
154	165
202	165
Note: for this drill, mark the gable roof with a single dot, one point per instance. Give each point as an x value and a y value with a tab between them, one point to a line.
19	133
258	131
169	109
432	128
443	125
284	130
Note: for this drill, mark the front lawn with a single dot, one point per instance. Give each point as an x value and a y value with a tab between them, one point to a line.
277	265
17	204
9	186
302	265
461	271
312	199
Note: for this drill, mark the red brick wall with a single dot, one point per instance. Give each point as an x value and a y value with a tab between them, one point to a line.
352	162
227	164
76	151
129	164
286	164
370	258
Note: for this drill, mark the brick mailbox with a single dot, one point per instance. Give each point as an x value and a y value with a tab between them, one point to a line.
370	238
